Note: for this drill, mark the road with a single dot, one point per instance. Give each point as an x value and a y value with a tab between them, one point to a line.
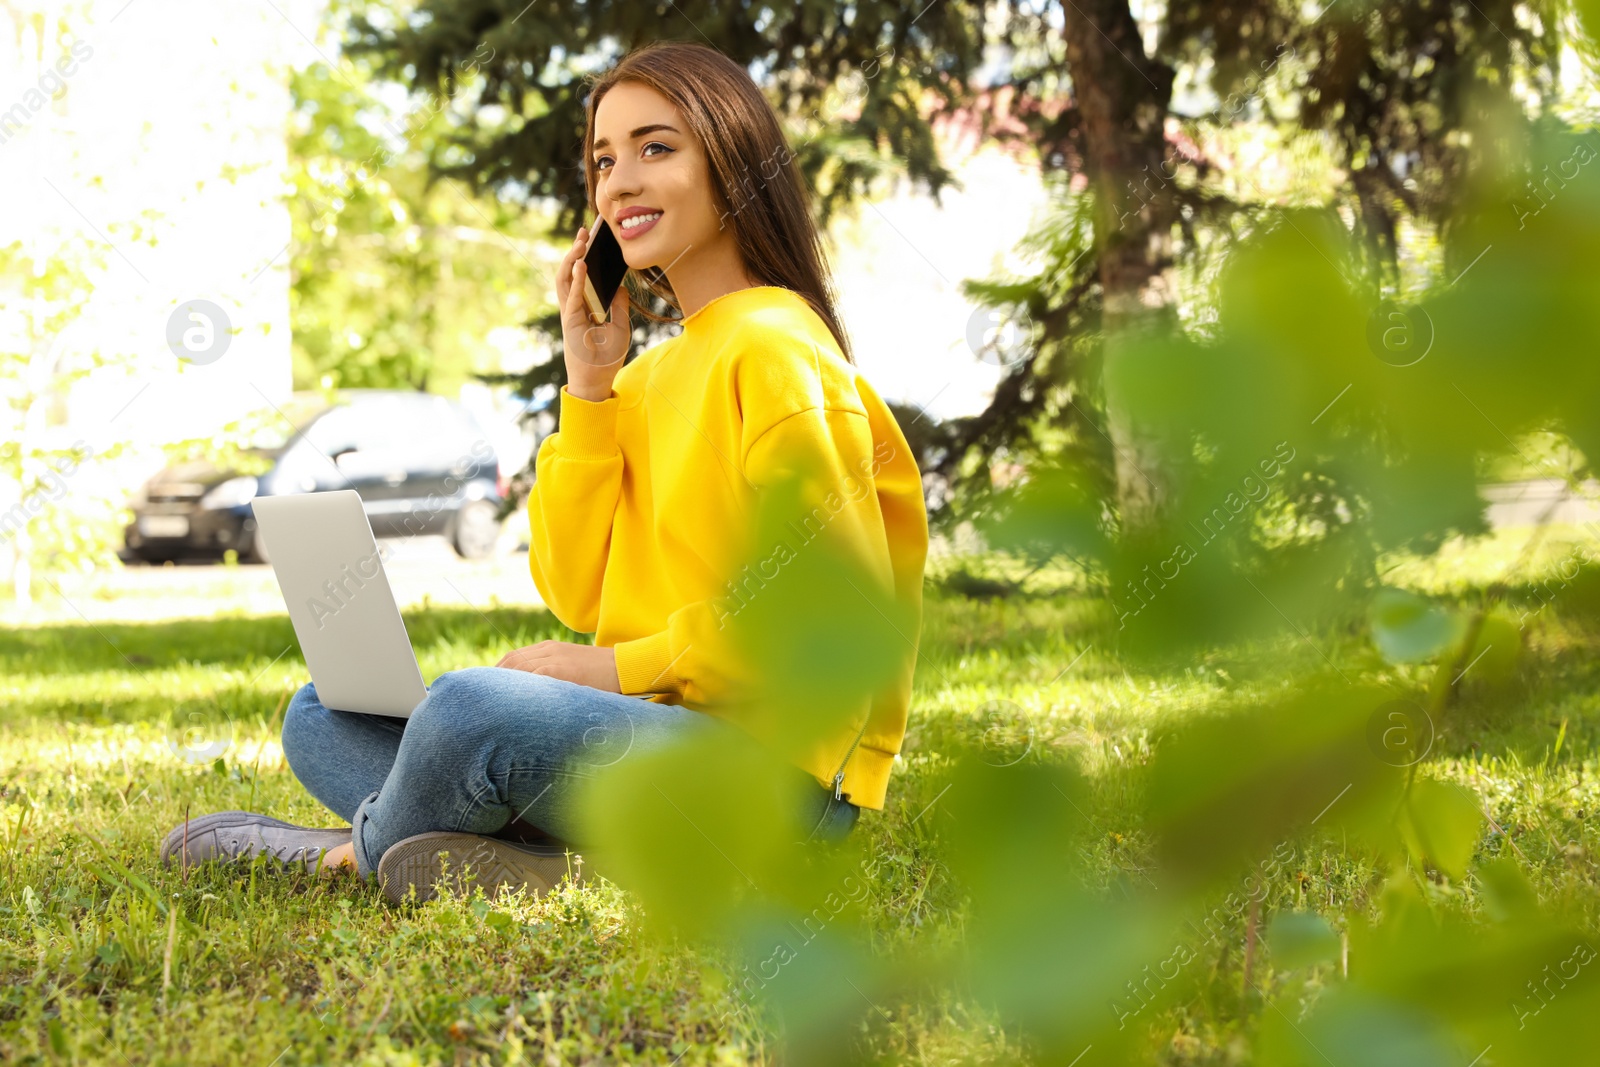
419	568
426	568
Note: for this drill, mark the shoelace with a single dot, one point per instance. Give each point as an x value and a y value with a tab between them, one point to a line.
284	853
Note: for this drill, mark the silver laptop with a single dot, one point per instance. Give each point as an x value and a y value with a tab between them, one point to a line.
330	571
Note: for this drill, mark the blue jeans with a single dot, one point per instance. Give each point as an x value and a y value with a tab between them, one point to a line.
491	751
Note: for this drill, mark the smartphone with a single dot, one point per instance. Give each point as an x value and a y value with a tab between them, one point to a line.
604	268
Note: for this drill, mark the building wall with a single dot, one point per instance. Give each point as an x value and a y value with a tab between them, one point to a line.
144	142
155	131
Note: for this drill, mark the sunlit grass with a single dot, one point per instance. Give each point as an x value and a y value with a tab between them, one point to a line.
259	968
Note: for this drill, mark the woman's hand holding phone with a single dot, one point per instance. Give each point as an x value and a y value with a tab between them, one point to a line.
594	352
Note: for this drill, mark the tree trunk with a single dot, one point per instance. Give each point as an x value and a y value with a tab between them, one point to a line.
1122	98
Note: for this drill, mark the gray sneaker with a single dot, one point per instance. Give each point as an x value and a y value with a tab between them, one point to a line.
232	835
491	862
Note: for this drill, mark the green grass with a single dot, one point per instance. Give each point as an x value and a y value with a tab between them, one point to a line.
107	958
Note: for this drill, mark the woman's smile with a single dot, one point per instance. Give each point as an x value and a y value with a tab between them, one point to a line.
634	222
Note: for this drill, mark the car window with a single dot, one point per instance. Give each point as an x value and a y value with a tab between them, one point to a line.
379	425
464	433
274	428
333	432
414	426
451	422
445	429
384	424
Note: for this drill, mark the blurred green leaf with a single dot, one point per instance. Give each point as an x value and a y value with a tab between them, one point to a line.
1495	650
662	825
57	1035
1050	954
821	633
810	972
1440	823
1225	790
1057	510
1589	13
1300	939
1353	1027
1527	986
1506	892
1408	628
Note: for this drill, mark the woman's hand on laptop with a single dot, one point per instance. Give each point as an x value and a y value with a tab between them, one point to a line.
595	667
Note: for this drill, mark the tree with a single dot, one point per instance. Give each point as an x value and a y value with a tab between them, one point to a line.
858	85
42	297
1396	90
397	276
1139	127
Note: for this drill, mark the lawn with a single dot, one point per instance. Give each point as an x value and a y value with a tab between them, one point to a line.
112	732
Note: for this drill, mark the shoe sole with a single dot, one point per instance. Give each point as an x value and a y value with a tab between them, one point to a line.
203	831
464	860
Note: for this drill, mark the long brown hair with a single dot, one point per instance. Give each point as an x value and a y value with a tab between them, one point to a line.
753	176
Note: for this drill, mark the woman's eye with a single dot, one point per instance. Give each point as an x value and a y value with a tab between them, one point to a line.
599	164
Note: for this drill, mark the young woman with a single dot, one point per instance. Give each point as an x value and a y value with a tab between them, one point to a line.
642	504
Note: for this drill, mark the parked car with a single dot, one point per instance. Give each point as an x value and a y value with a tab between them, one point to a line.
421	463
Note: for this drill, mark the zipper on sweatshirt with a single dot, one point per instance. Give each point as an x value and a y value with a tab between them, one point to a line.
838	778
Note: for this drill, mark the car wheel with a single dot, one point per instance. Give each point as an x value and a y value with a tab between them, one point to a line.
476	530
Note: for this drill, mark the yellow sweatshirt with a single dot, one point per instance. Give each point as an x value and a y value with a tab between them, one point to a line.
643	503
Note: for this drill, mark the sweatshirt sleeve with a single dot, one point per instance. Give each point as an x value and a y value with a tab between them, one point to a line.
819	522
578	481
